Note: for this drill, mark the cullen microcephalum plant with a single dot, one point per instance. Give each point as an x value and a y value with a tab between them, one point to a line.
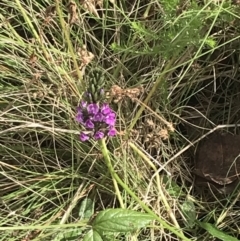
94	114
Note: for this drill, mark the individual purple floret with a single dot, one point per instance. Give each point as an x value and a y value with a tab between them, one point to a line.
89	124
84	104
106	109
98	119
110	119
93	109
80	117
98	135
84	136
112	132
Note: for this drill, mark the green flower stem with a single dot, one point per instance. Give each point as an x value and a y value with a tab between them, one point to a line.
132	194
110	167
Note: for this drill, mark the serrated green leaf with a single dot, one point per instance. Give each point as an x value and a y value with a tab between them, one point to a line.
189	212
86	209
120	220
92	236
217	233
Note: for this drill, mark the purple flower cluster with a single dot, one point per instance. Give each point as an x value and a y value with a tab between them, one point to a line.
98	119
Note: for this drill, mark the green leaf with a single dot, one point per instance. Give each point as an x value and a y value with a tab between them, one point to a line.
173	189
217	233
189	213
86	209
143	32
71	234
210	42
92	236
120	220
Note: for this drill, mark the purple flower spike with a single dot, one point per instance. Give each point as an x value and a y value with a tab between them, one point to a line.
93	109
112	132
98	135
97	119
84	136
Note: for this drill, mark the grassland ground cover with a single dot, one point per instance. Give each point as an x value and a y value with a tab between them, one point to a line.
170	71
